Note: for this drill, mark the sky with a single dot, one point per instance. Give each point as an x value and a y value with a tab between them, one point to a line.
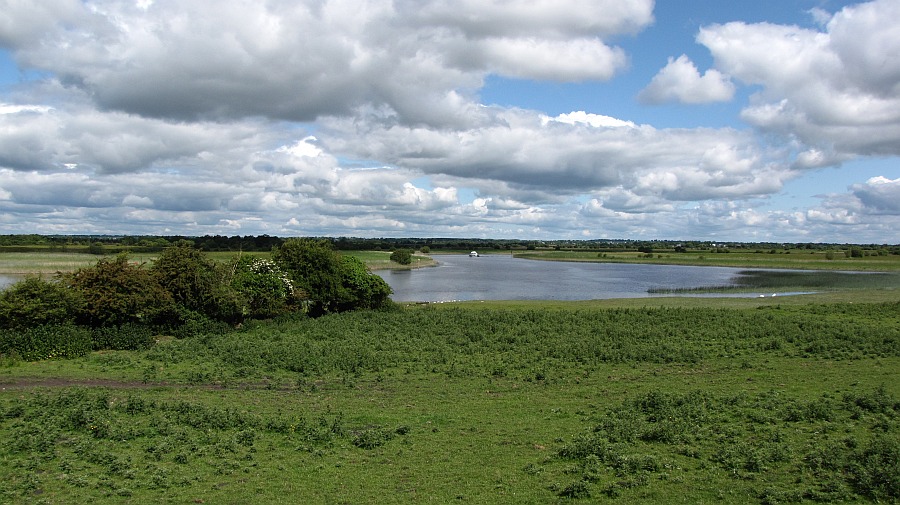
763	121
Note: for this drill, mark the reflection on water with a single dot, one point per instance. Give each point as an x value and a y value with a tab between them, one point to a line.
502	277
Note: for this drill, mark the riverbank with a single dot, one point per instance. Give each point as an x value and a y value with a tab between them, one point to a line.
49	263
790	259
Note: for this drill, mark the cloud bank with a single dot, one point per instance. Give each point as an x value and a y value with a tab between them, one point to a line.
338	117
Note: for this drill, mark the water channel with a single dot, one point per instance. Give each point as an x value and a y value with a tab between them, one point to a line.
503	277
458	277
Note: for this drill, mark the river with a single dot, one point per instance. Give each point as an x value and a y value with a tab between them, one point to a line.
503	277
458	277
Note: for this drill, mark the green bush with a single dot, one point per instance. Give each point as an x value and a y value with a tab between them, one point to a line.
265	290
331	282
360	289
875	470
192	324
314	268
116	292
402	256
129	336
197	283
51	341
35	302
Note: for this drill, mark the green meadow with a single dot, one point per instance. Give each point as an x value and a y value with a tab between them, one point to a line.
658	400
752	403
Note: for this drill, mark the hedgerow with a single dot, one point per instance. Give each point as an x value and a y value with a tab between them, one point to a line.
184	293
51	341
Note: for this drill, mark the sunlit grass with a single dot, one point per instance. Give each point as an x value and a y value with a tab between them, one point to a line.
44	262
526	403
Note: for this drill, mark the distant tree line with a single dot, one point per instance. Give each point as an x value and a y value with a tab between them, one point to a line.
120	304
111	244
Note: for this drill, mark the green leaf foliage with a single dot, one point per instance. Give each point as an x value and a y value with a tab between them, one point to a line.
315	268
360	289
265	289
330	281
196	282
117	291
36	302
402	256
51	341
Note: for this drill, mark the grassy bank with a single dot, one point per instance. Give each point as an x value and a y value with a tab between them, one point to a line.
762	402
790	259
48	263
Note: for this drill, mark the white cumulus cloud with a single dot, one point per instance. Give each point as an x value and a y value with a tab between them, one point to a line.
837	90
680	81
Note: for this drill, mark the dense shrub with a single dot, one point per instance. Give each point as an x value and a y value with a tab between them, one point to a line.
265	289
129	336
875	470
332	282
191	324
197	283
314	267
46	342
116	292
360	289
402	256
35	302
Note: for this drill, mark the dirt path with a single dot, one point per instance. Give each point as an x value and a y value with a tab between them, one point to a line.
52	382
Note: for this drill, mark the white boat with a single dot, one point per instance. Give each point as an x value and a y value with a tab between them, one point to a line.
473	254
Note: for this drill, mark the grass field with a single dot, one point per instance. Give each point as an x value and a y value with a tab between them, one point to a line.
791	259
759	402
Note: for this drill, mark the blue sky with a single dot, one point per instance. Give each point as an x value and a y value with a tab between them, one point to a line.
744	121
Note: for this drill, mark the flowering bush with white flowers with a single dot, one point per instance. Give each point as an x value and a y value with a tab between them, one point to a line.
265	288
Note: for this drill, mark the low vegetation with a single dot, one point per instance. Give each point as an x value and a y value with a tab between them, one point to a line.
772	404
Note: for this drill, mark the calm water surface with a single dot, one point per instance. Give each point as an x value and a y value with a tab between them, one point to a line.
502	277
8	280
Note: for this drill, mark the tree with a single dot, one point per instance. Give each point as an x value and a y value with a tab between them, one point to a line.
332	282
116	291
35	302
360	289
314	267
196	283
402	256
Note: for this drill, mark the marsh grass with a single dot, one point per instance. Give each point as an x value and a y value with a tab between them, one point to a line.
830	280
